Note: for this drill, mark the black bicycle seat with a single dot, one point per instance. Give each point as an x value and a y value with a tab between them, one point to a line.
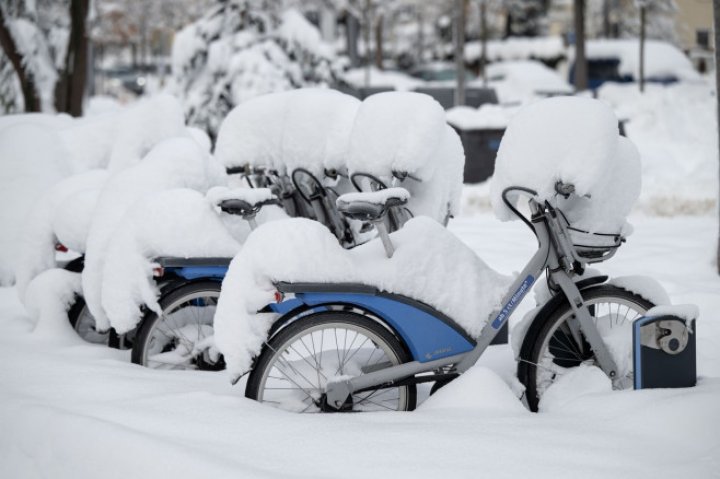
234	206
362	211
356	207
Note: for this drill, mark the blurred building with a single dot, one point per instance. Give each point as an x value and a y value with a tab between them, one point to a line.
695	31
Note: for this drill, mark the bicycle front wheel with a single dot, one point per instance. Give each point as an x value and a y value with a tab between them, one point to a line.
550	350
295	366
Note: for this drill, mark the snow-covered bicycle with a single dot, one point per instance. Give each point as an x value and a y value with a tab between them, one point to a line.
181	337
353	347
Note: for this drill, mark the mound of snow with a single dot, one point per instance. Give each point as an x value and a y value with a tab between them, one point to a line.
403	132
573	140
396	131
478	389
300	250
486	116
62	214
176	222
49	296
174	163
143	126
646	287
675	130
33	159
581	381
306	128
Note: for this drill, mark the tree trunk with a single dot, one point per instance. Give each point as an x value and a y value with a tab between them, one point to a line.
641	76
366	39
580	77
483	41
70	91
379	42
351	37
716	17
27	83
460	51
606	18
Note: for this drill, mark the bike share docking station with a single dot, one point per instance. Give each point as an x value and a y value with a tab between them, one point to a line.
664	354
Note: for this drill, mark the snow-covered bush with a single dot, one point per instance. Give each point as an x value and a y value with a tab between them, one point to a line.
238	51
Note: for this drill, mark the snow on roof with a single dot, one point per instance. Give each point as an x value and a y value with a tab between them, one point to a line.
486	116
517	48
661	59
574	140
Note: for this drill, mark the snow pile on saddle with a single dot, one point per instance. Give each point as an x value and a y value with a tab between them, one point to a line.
430	264
406	133
393	132
573	140
307	128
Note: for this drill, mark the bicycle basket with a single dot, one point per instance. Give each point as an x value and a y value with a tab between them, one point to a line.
594	247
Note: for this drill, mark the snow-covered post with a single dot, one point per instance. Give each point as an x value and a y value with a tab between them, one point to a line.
716	18
460	51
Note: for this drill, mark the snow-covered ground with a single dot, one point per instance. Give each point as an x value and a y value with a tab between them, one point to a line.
70	409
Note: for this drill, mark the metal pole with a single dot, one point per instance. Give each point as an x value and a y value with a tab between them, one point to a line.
483	40
366	34
460	52
580	77
716	17
642	48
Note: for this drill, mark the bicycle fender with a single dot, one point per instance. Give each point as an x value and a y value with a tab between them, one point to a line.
558	299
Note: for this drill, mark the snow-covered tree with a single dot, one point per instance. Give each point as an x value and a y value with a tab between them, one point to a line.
45	41
241	49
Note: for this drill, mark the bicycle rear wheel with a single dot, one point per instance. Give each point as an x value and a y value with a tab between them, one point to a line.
181	338
294	367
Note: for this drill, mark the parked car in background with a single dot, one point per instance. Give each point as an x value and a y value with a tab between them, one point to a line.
619	61
440	73
522	81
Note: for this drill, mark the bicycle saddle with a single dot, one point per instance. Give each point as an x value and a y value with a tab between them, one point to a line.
373	205
234	206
